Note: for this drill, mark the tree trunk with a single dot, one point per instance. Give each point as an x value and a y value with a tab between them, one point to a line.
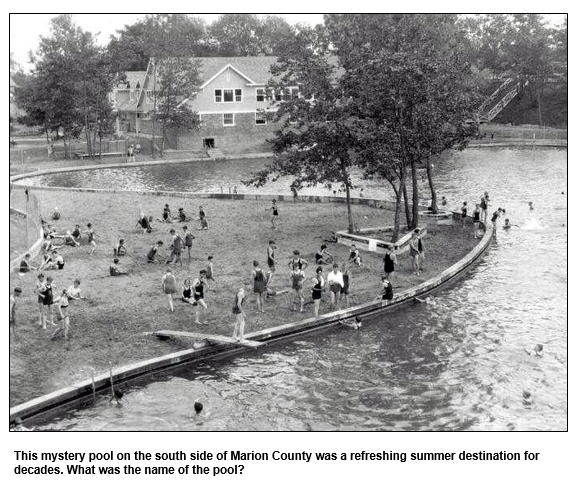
349	212
47	142
415	196
398	193
539	94
88	135
406	203
432	188
154	113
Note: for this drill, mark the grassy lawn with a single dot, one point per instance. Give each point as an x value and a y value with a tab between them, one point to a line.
17	235
105	328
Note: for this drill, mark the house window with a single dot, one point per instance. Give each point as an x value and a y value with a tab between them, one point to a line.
227	95
260	118
228	119
260	95
149	95
131	95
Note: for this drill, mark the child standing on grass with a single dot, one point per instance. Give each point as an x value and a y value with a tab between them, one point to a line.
47	301
188	241
464	210
168	285
63	316
274	209
39	290
198	285
203	219
335	281
344	293
270	256
238	311
317	289
210	270
91	235
16	293
258	279
297	280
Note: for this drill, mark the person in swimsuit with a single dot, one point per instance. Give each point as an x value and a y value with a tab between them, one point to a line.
258	280
386	292
70	239
297	260
119	249
354	256
188	241
39	290
270	256
444	201
274	209
415	253
143	223
238	311
210	271
77	233
344	293
182	215
91	235
153	252
25	264
62	304
47	301
188	292
484	208
203	219
357	324
114	269
168	285
464	211
495	215
531	208
198	285
323	256
166	214
317	289
176	248
335	282
74	291
476	220
12	324
56	215
297	280
421	249
389	262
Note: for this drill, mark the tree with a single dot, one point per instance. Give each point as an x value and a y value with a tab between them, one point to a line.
273	34
409	76
317	130
236	35
133	46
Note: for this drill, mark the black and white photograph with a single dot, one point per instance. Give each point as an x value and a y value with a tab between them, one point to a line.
289	222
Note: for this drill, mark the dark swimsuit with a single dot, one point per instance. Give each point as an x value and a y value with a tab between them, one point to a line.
388	265
199	292
235	308
48	299
345	288
274	210
270	259
151	254
387	292
464	211
476	217
317	290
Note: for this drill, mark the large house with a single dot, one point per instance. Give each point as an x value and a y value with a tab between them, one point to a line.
231	103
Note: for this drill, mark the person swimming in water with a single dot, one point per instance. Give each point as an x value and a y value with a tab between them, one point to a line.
531	208
356	324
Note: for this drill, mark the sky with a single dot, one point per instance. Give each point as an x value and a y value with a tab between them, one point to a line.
25	29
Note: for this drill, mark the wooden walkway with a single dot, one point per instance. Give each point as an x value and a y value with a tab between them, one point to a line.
209	338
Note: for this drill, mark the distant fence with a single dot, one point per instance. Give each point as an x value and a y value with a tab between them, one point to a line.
523	132
27	204
27	151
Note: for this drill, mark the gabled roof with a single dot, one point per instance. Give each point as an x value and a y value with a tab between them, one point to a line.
256	69
12	83
133	78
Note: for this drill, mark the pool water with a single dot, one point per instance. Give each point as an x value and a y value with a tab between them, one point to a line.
461	361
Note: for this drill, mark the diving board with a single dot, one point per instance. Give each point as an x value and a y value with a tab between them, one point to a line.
209	338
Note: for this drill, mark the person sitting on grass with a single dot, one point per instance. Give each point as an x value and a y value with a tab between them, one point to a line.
166	214
355	257
182	218
356	324
74	291
25	265
70	240
203	219
323	256
119	249
54	261
153	252
56	215
77	233
144	222
114	269
333	238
